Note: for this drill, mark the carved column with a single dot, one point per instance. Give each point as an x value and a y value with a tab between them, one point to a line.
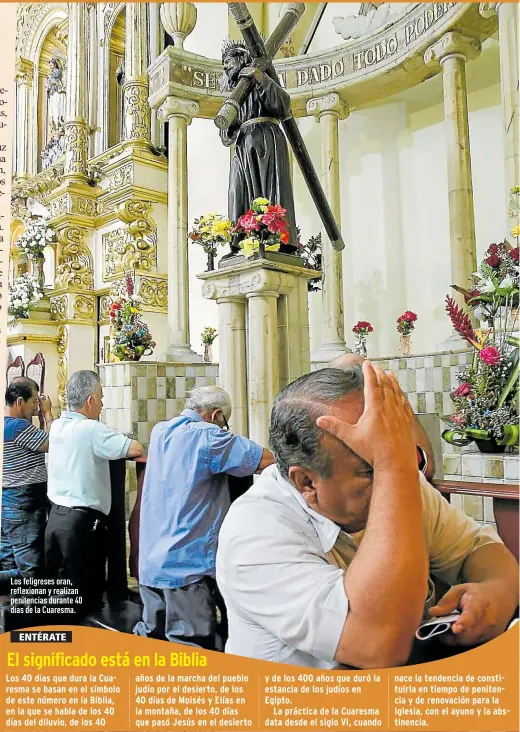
24	80
263	368
232	361
178	113
135	89
328	110
451	52
508	39
77	129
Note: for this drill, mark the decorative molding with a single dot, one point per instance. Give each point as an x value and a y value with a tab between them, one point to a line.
59	307
72	204
153	292
141	250
452	44
177	107
329	104
24	72
39	186
113	246
121	177
75	260
14	339
136	112
63	369
84	307
252	278
76	148
104	307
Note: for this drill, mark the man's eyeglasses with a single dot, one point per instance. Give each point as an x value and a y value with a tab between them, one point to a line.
226	426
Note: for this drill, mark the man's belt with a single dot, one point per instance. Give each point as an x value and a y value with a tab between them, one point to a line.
258	121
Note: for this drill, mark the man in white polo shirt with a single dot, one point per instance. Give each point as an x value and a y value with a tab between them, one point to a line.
80	448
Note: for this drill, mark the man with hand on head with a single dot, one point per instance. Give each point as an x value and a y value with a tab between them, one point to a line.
24	481
184	501
326	560
80	448
425	458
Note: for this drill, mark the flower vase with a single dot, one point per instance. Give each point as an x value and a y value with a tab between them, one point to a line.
208	353
490	447
211	261
261	249
360	346
37	261
406	345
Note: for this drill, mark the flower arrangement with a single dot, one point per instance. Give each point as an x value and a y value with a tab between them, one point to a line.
36	237
132	337
494	289
486	399
24	293
406	323
208	335
264	227
361	330
311	255
210	231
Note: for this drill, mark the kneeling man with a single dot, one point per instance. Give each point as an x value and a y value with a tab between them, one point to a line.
326	560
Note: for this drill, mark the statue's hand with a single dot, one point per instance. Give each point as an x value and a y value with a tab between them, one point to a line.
251	72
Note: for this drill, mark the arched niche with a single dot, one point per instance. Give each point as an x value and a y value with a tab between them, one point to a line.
17	261
115	50
39	20
53	51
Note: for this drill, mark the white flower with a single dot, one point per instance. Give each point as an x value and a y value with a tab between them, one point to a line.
506	283
486	286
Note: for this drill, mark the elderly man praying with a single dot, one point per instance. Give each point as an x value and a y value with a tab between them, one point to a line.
185	498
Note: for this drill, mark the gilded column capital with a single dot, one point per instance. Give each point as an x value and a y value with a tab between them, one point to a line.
452	44
329	104
24	72
487	10
178	107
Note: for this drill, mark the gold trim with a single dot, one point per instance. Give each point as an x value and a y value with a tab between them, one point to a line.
17	338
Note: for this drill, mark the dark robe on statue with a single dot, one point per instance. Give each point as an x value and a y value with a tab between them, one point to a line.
260	167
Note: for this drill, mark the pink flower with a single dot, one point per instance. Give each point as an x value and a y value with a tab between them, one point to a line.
462	390
248	222
363	326
409	316
490	355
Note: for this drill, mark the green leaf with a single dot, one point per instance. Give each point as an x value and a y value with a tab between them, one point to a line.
452	437
510	436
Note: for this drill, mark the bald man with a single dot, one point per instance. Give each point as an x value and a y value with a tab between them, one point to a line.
424	448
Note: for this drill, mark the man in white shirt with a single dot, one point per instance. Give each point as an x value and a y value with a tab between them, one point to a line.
326	560
80	448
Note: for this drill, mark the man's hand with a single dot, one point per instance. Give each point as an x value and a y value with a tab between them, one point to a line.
383	436
251	72
45	404
481	618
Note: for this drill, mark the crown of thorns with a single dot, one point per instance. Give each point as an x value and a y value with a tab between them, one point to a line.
230	45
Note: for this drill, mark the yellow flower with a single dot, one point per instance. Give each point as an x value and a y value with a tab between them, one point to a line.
261	203
222	227
515	231
134	310
249	246
273	248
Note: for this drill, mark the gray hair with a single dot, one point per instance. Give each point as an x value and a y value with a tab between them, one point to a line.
209	398
80	386
294	437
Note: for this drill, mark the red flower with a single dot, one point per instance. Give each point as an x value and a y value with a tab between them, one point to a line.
274	219
462	390
284	237
248	222
459	319
490	355
514	254
471	294
493	249
362	326
409	316
494	261
116	306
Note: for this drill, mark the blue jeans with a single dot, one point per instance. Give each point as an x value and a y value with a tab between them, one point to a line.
21	536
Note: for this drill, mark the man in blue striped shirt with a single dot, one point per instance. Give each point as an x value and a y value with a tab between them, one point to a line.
24	481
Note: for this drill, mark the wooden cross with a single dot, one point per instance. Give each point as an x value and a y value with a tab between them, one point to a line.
262	55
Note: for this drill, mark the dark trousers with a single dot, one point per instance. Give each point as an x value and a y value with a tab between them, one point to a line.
75	549
21	544
182	615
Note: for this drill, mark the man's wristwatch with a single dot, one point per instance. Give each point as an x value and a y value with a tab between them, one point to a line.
422	459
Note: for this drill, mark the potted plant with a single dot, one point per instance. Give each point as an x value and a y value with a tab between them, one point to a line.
264	229
24	293
310	253
486	399
208	336
361	330
132	337
405	325
210	231
33	241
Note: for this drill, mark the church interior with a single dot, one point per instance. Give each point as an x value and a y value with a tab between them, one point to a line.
408	113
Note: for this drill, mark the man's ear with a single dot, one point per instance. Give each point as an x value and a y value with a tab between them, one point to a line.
303	481
214	414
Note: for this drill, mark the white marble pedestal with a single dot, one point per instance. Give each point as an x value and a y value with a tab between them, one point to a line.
264	335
